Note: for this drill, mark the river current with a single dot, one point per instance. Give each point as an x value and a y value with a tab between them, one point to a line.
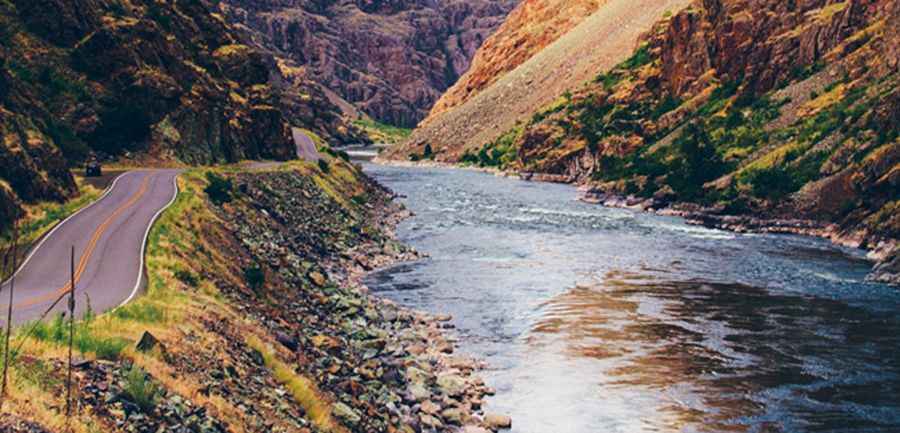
594	319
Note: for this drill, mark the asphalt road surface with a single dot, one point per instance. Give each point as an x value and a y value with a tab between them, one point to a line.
306	147
109	237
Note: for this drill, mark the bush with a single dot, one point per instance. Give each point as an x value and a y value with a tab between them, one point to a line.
140	389
323	165
187	277
428	153
696	163
668	104
254	277
640	58
219	189
773	183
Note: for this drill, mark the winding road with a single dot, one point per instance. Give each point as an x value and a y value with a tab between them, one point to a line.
109	237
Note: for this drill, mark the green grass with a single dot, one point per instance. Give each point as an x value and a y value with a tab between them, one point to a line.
85	340
140	389
140	312
382	132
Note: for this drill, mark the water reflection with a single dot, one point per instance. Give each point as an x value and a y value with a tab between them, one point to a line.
729	357
606	320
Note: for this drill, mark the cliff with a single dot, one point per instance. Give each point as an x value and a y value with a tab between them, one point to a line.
168	80
388	59
735	113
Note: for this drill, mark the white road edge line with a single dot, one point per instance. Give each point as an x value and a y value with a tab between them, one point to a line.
57	227
137	284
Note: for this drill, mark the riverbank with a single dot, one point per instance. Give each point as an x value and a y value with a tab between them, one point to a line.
883	251
255	319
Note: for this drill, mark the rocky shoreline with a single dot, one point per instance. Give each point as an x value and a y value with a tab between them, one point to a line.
387	367
883	252
444	387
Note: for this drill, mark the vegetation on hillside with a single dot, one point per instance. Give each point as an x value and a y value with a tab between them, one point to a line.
382	133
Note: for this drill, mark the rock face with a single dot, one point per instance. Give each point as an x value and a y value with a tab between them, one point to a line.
169	79
530	27
597	42
390	59
743	114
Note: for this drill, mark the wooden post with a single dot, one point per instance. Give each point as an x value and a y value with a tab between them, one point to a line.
71	332
12	288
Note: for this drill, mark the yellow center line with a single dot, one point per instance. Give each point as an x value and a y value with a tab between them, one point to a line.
89	251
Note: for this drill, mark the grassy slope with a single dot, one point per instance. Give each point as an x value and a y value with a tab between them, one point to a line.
382	133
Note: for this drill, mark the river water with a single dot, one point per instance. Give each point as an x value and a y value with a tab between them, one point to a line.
594	319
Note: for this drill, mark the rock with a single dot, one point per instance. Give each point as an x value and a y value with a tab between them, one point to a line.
148	342
473	429
453	416
345	413
257	357
451	384
287	340
430	421
497	422
418	392
392	72
318	278
429	407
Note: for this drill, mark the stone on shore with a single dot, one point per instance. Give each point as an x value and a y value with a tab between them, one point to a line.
497	422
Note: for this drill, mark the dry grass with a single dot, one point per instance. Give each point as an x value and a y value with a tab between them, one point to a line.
304	391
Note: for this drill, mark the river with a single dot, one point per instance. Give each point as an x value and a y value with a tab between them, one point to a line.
594	319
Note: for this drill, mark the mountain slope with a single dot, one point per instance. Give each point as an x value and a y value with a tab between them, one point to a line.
166	79
744	114
530	27
597	43
390	59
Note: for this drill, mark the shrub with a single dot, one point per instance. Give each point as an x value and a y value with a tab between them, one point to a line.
428	153
219	189
140	389
640	58
323	165
668	104
773	182
254	277
187	277
695	164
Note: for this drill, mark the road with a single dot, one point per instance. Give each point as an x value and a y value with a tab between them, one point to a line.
109	238
306	147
